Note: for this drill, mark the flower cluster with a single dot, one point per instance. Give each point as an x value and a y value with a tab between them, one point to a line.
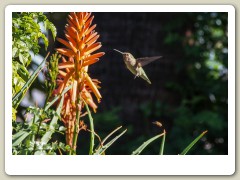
77	55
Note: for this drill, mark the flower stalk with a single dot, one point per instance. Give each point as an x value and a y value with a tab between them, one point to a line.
80	45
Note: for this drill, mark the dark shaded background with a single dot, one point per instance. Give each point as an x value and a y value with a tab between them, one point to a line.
188	93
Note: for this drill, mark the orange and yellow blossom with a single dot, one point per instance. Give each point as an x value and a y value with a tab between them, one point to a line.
80	45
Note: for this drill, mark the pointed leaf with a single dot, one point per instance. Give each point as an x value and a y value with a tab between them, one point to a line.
192	143
104	147
47	136
91	128
162	143
145	144
19	137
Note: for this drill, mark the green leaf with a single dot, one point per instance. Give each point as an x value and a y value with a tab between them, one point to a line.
40	153
21	58
185	151
56	98
62	128
14	112
26	32
23	72
91	128
162	143
103	148
47	136
49	25
145	144
19	137
45	40
19	96
14	52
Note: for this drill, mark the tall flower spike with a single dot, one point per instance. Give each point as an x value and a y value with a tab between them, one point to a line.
78	54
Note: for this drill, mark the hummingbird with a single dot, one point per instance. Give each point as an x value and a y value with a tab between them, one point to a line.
136	65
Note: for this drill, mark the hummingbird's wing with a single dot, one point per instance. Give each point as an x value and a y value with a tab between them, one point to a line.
146	60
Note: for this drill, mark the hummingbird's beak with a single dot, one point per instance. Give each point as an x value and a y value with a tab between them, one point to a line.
118	51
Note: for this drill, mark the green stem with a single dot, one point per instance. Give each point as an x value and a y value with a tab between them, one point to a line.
34	137
76	129
162	143
76	126
91	129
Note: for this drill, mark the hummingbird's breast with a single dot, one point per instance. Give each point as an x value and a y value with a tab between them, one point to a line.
130	60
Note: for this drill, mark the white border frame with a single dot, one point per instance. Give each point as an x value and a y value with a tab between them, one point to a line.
120	164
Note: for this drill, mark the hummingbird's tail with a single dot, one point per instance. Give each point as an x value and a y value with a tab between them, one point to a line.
146	78
149	81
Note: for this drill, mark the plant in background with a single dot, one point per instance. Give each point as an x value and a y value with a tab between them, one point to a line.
26	33
34	134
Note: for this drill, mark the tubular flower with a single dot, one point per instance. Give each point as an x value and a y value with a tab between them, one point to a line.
78	54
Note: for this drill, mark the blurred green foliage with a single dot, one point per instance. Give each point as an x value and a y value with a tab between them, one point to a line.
202	83
200	42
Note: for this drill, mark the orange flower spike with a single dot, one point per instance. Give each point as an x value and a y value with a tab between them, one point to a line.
88	98
65	52
87	25
91	104
65	65
89	22
78	56
80	18
64	61
93	40
89	48
59	89
63	42
70	23
76	21
72	19
73	30
62	73
69	38
63	84
94	47
92	61
93	87
73	47
93	56
96	82
74	92
70	93
67	106
70	31
89	37
85	70
90	29
87	15
78	38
